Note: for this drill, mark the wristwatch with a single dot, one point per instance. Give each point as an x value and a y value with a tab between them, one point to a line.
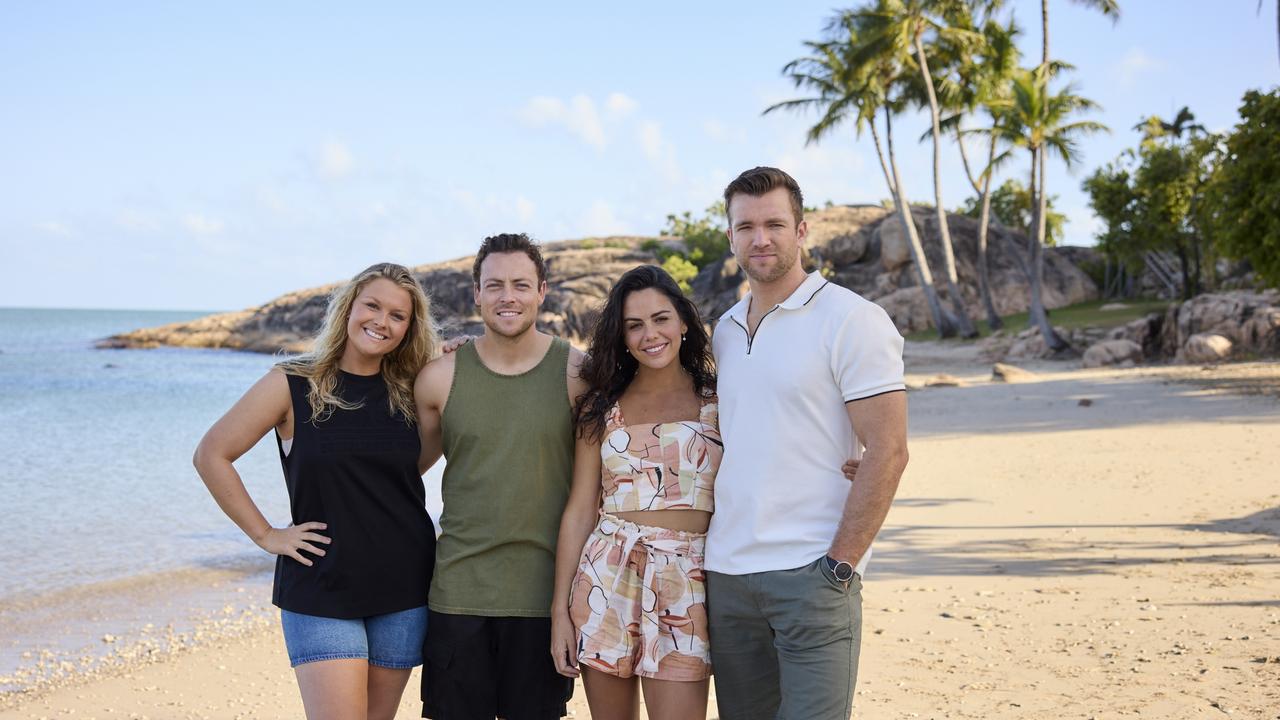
841	569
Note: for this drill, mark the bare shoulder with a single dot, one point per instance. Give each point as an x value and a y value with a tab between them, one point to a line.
272	387
434	380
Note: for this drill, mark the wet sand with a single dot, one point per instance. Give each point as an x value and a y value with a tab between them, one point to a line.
1092	544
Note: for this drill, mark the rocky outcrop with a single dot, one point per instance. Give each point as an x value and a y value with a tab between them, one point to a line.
860	247
1205	348
1210	328
1125	353
579	275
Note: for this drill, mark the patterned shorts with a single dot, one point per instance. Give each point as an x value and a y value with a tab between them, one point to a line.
638	602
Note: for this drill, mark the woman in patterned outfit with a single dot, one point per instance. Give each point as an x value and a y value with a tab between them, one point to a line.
629	596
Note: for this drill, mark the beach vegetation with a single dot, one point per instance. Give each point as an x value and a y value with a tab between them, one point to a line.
907	34
682	271
848	87
1010	205
1152	200
1041	120
1195	196
703	236
1088	314
1242	197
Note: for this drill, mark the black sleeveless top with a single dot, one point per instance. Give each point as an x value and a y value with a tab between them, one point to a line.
357	471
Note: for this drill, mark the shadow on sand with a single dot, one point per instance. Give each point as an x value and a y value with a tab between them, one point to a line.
1049	550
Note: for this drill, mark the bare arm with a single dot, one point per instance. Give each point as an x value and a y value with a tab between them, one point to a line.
880	422
430	393
576	523
265	406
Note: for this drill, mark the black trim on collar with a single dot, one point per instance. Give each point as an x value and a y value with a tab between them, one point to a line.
815	293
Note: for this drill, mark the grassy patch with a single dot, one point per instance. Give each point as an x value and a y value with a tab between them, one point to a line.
1085	314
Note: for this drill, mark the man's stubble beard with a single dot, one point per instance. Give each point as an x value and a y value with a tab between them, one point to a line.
780	269
529	327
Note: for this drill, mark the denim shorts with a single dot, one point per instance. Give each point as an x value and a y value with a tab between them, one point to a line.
393	640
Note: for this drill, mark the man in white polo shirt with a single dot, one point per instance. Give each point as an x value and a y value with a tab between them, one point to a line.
810	373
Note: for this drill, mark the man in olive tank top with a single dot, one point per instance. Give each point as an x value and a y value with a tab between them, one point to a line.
500	411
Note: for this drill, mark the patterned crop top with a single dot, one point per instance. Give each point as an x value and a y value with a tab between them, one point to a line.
661	466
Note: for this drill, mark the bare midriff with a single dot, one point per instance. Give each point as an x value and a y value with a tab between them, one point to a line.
694	521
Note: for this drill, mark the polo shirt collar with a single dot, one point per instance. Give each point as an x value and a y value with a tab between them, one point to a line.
803	294
797	299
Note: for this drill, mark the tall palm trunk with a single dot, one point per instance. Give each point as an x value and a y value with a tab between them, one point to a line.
1044	26
941	319
1039	201
966	327
984	221
875	138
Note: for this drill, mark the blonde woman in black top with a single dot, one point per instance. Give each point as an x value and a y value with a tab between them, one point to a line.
353	568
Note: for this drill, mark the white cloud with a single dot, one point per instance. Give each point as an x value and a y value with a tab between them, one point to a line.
1136	62
578	116
524	208
55	228
834	173
542	110
201	225
620	105
335	160
659	152
599	220
719	132
137	220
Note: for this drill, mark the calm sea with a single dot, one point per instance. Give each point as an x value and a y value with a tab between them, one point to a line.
107	528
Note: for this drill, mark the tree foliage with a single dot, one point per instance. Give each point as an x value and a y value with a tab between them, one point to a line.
703	241
1242	200
1011	205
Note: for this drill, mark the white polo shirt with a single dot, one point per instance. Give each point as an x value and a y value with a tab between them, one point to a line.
779	492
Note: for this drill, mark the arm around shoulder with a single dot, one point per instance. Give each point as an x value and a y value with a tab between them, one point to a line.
430	395
573	375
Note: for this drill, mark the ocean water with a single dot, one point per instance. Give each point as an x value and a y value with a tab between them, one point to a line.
107	530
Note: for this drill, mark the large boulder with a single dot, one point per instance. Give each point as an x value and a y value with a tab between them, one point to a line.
1206	348
908	308
895	247
1226	314
843	235
1113	352
1002	372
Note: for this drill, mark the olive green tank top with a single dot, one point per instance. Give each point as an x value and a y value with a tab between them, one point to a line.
508	447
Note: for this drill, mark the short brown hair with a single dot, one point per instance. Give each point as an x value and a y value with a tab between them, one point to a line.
760	180
510	243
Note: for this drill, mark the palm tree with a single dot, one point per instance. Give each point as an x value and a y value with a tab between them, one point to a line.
1037	119
896	31
989	77
1277	18
1154	127
845	91
1109	8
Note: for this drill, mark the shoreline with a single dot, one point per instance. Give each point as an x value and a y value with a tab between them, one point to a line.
1045	557
69	636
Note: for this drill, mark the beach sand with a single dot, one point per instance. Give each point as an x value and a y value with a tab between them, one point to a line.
1092	544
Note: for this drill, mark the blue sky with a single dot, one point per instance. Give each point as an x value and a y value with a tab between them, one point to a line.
216	155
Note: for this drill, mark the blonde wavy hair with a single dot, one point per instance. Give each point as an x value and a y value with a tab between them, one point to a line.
420	344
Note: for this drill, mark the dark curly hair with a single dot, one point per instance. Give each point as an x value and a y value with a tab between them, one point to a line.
509	243
609	368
